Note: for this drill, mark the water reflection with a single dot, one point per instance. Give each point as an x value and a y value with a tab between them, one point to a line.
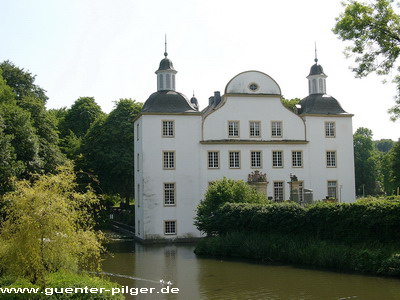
201	278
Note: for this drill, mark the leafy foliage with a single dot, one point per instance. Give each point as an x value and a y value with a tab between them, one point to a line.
22	82
220	192
365	221
297	249
366	162
291	103
80	116
48	227
108	152
374	31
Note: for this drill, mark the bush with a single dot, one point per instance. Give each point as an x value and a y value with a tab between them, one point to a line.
224	191
303	250
59	281
367	221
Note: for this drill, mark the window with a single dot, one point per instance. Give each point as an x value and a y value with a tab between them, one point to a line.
137	163
331	159
234	159
168	160
255	159
276	129
330	129
297	159
278	191
332	189
233	128
213	159
169	227
138	227
255	128
169	193
137	132
168	128
161	81
168	81
277	159
138	195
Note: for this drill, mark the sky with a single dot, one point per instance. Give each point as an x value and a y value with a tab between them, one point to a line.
110	49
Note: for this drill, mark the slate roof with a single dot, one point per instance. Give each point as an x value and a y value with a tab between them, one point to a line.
321	104
316	69
167	101
166	64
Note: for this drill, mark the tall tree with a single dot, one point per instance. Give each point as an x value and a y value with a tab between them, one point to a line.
395	166
366	163
373	29
108	149
32	99
22	82
80	116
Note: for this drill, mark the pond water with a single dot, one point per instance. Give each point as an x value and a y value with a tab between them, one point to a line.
206	278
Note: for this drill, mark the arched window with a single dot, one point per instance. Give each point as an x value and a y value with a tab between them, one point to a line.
314	85
168	81
161	81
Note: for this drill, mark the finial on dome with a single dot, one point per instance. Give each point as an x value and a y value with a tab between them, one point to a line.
316	58
165	53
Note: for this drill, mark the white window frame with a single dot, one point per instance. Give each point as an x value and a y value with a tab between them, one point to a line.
256	159
234	159
279	189
168	160
233	129
276	129
330	129
170	227
255	129
331	187
169	193
168	128
213	159
297	159
331	159
277	160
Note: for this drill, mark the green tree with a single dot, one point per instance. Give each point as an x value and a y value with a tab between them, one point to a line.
22	82
373	29
395	166
366	162
384	145
9	166
224	191
48	228
18	90
291	103
108	149
80	116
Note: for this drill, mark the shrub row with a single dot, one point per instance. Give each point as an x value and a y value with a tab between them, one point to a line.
364	221
301	250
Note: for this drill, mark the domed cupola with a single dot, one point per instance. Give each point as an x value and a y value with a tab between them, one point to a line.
316	78
166	73
194	102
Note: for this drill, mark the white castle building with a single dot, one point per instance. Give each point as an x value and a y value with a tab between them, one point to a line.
180	150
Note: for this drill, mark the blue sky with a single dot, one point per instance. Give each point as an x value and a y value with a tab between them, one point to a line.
110	49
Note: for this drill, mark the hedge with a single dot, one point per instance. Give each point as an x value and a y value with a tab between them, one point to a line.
365	221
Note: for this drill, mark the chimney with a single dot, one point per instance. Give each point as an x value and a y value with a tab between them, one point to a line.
217	97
